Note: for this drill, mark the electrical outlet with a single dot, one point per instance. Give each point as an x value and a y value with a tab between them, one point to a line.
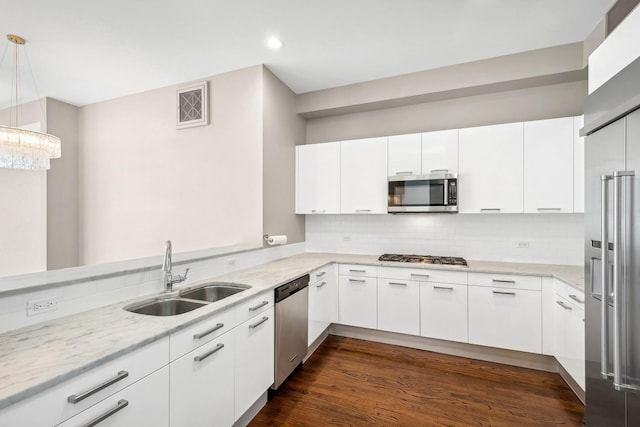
522	245
346	238
231	262
42	305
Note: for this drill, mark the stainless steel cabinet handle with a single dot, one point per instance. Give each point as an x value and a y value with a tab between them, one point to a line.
260	322
576	299
419	275
504	293
397	284
318	211
513	282
363	210
351	270
439	170
490	210
75	398
321	284
219	347
321	274
604	306
445	288
404	173
564	305
119	406
549	209
210	331
262	304
357	280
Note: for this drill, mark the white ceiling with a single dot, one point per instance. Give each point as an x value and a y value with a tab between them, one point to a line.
85	51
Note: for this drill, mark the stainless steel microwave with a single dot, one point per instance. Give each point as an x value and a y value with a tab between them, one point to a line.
434	192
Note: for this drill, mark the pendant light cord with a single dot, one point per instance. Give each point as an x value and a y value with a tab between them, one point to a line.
35	85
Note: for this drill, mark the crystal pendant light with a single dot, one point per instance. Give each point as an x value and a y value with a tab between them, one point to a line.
22	148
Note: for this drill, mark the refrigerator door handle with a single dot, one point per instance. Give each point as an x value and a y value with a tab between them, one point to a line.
604	300
618	290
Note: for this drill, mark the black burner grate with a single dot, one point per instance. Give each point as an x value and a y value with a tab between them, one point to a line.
424	259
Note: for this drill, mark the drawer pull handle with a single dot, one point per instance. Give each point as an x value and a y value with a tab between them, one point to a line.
404	173
262	304
119	406
446	288
363	210
490	210
549	209
397	284
204	356
513	282
563	305
321	284
576	299
317	211
75	398
351	270
357	281
260	322
210	331
321	274
504	293
419	275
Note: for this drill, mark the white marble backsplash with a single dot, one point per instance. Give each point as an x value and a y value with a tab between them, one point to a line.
552	238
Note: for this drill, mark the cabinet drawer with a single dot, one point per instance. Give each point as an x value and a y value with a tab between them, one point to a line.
443	311
569	293
321	273
255	305
52	406
358	270
505	318
423	275
195	335
512	281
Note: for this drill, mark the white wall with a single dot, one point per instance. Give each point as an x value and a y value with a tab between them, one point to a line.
553	238
143	182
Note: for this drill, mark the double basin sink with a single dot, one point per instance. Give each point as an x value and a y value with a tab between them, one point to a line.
186	300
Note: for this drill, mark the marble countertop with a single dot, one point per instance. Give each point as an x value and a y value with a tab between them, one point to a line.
40	356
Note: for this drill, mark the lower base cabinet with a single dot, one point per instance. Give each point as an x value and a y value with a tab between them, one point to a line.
142	404
254	360
399	306
358	301
202	385
443	311
569	338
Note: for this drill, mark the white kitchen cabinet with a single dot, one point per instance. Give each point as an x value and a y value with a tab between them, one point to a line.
399	306
254	360
202	385
490	174
323	301
200	333
440	151
318	178
578	165
505	318
548	161
363	176
443	311
568	320
144	403
405	154
358	301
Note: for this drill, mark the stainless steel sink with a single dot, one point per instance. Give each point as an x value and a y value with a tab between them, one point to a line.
212	292
165	307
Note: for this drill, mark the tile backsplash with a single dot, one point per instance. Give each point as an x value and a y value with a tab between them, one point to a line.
535	238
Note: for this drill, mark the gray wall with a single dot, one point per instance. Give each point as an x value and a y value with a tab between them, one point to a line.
282	130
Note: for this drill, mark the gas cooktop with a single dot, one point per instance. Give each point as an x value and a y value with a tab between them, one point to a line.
424	259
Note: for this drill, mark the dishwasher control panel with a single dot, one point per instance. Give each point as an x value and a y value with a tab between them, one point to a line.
291	288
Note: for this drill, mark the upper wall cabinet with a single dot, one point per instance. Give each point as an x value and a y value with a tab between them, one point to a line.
490	177
420	154
318	178
440	151
578	165
363	175
548	165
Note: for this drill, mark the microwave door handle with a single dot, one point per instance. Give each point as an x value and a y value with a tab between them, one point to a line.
445	202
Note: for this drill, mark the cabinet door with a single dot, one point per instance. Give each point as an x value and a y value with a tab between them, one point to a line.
202	385
144	403
490	176
569	338
440	151
505	318
399	306
323	307
357	301
254	360
318	178
443	311
405	154
548	165
363	176
578	165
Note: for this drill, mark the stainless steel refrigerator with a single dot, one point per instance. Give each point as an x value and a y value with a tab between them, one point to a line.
612	251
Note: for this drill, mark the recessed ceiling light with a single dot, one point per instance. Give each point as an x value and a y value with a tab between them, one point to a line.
274	43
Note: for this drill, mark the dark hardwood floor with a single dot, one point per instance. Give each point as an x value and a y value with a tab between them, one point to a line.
349	382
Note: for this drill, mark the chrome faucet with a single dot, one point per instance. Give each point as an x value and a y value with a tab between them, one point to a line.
167	276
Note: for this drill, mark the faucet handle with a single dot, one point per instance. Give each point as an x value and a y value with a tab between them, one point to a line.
182	277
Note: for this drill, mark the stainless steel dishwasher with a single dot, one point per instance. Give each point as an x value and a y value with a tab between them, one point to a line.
292	305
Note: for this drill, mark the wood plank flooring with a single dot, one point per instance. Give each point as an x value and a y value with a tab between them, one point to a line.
349	382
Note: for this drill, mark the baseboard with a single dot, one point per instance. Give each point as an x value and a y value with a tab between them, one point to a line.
573	385
507	357
252	411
